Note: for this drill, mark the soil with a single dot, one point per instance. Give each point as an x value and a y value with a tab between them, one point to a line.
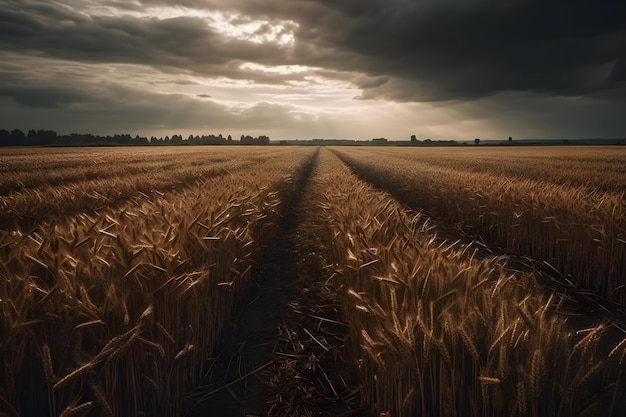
285	352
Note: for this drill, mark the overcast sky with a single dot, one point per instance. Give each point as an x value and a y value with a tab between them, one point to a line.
305	69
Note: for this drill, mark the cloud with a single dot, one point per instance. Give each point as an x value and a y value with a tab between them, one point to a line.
425	51
451	50
203	63
43	96
619	71
186	43
101	104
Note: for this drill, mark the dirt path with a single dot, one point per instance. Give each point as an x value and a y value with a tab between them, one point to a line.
271	360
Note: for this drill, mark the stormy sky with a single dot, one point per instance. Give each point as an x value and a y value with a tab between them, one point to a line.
290	69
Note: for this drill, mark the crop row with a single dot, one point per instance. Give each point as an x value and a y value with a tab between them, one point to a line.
118	311
107	181
594	168
438	331
577	231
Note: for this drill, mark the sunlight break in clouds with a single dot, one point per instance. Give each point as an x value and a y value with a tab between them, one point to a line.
277	69
256	31
229	24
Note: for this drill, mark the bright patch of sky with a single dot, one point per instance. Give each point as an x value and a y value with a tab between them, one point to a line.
277	69
229	24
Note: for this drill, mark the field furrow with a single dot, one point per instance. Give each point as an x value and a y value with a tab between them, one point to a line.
595	168
578	232
27	206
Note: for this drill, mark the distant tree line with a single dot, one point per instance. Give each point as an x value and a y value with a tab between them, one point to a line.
416	142
16	137
249	140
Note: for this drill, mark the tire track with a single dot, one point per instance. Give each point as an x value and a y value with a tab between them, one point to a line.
243	376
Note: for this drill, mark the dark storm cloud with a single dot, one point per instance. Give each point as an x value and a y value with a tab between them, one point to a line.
184	43
42	96
61	101
407	50
619	71
551	117
463	50
456	50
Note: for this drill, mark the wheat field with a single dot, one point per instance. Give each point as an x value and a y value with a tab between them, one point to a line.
466	282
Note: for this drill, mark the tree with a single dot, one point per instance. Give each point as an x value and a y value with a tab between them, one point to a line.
18	135
413	139
510	139
476	141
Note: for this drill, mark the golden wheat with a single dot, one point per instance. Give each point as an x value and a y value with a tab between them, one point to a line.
467	336
137	284
137	272
577	229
